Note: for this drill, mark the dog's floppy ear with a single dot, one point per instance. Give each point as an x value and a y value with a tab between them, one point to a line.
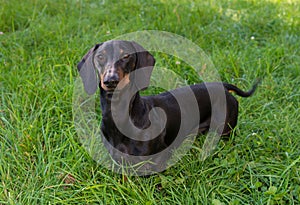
87	71
144	60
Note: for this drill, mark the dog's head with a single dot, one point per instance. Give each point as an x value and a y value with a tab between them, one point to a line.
113	64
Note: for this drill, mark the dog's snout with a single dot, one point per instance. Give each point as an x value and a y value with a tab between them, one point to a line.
111	82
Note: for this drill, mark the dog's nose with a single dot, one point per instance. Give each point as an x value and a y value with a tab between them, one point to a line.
111	82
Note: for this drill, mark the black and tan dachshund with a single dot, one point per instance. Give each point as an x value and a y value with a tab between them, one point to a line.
146	125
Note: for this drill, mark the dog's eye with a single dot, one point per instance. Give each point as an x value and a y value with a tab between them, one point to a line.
126	56
101	57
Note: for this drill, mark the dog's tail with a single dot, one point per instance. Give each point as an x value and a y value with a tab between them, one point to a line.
233	88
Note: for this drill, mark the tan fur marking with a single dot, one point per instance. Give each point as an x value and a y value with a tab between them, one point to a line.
102	84
124	81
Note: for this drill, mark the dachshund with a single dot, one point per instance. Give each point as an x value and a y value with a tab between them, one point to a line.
136	125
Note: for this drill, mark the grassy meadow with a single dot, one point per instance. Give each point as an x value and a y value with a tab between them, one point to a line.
41	158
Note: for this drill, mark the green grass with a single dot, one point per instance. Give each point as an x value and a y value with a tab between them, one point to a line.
41	159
